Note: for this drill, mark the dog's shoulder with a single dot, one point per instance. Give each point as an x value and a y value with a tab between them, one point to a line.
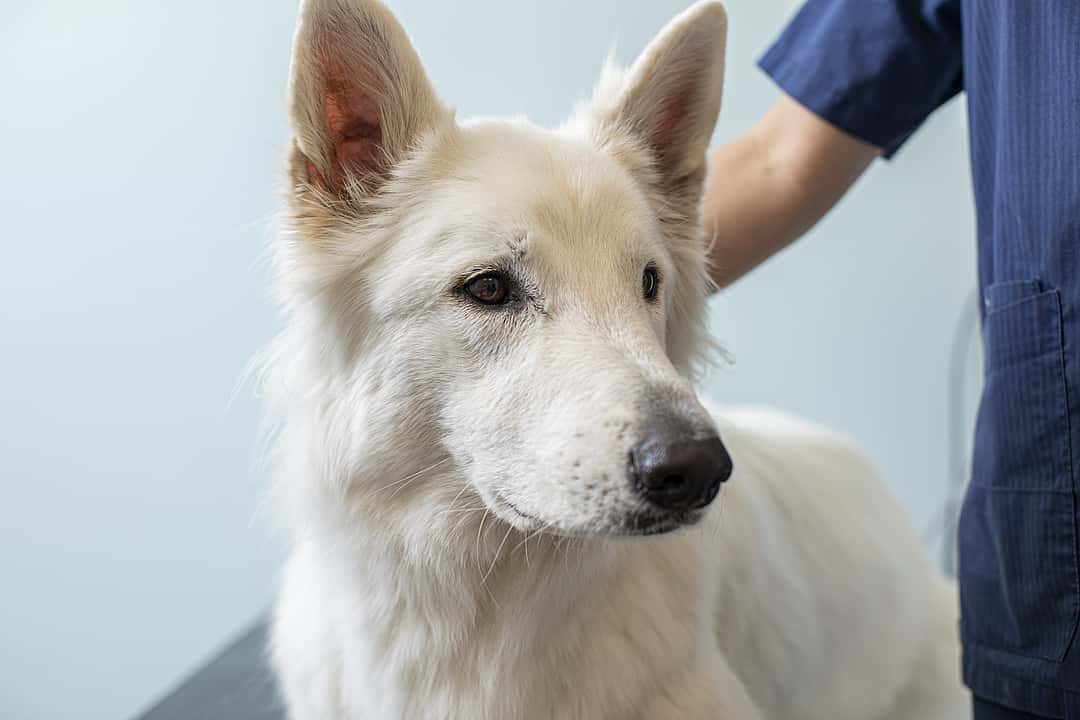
771	425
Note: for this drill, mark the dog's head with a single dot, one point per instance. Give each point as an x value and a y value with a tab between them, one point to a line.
528	302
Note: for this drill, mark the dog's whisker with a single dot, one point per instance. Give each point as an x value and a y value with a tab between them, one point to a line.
409	478
566	554
465	515
457	497
525	543
479	532
491	595
509	529
466	509
464	523
520	544
465	512
717	526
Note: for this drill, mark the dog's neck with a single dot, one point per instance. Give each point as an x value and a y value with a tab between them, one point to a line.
456	609
434	542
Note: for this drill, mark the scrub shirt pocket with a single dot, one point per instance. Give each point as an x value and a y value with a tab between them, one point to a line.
1018	571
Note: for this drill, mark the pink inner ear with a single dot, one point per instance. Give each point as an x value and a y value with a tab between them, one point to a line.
672	119
353	126
671	123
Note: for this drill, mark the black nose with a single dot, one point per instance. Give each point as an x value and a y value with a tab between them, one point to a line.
679	472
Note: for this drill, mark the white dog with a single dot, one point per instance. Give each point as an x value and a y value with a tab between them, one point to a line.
485	402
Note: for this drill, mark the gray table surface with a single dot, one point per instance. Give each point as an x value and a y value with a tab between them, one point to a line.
237	684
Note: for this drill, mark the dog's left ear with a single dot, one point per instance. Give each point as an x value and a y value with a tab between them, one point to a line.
670	98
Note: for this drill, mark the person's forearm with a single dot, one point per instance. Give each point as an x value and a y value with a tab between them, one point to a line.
773	183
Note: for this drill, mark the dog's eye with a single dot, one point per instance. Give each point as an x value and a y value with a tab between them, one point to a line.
491	288
650	282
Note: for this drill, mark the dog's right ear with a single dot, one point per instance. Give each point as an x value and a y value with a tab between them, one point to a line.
669	99
359	99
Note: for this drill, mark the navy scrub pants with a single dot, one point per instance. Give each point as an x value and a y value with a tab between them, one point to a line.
989	711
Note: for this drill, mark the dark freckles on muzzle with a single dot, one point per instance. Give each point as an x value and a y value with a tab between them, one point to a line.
676	469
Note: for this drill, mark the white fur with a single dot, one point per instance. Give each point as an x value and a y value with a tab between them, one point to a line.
454	477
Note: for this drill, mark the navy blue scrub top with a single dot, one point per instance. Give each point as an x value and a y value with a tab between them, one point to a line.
876	69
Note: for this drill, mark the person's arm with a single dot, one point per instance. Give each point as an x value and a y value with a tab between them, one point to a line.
773	183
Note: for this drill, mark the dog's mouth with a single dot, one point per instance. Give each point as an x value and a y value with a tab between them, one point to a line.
641	524
531	520
649	523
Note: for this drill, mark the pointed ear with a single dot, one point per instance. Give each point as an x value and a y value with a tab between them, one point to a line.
670	98
359	97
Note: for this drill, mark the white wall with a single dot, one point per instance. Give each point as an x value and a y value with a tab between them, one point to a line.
141	144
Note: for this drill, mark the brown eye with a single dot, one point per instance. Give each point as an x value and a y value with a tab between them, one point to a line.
490	288
650	283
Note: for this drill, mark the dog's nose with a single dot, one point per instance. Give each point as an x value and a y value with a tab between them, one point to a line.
679	473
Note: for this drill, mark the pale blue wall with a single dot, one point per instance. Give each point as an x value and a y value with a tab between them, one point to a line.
141	144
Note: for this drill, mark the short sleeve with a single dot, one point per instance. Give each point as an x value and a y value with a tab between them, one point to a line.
873	68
